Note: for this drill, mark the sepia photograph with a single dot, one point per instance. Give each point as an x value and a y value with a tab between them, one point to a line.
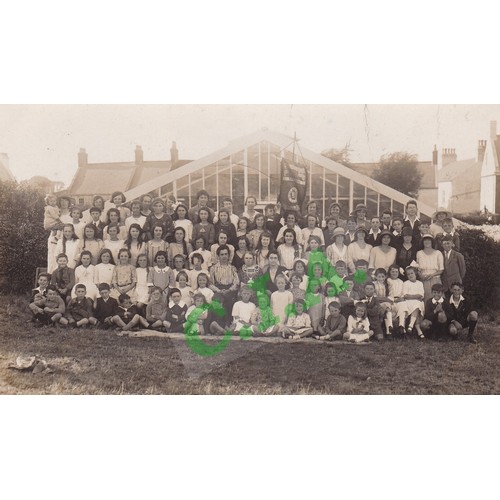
229	249
249	250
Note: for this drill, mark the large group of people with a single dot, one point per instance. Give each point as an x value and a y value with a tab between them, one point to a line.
155	263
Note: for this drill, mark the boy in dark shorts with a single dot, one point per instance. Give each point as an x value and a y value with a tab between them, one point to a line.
460	314
128	315
106	307
80	310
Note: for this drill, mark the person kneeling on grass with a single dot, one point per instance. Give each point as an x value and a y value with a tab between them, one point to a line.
128	315
358	326
298	324
156	310
435	320
106	307
335	324
48	310
80	310
460	313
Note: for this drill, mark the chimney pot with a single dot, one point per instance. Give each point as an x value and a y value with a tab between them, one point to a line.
174	154
139	155
82	158
481	150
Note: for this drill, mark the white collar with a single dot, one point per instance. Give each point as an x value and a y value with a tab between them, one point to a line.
395	233
378	232
440	301
163	270
460	300
416	219
180	304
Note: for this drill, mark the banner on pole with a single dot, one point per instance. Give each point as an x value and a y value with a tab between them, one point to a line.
293	185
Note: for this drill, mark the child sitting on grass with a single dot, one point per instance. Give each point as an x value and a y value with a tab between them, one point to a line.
435	321
460	314
242	312
39	292
106	307
156	310
176	312
335	325
48	310
128	315
264	322
298	324
358	326
80	310
196	316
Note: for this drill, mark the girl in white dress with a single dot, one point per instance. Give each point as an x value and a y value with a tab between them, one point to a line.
113	243
90	243
103	271
290	250
413	293
69	244
84	274
135	242
396	295
182	221
141	287
184	288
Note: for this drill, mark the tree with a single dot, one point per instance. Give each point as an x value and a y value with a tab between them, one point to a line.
400	171
341	155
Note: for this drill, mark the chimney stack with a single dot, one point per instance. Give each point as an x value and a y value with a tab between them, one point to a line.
83	158
449	156
481	150
493	129
139	155
174	154
435	156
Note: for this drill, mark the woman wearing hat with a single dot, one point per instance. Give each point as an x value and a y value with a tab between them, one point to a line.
407	252
384	255
437	220
337	250
358	249
360	212
431	265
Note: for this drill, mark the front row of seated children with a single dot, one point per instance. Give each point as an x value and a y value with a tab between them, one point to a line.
362	311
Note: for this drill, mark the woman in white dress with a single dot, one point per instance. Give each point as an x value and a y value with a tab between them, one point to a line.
337	250
358	250
413	293
430	265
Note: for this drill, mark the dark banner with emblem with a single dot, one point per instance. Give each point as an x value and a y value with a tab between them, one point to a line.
293	185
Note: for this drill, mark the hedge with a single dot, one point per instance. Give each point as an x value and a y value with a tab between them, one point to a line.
482	260
23	240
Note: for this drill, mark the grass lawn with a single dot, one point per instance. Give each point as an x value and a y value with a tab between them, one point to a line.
101	362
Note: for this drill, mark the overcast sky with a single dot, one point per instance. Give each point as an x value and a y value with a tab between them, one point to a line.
45	139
